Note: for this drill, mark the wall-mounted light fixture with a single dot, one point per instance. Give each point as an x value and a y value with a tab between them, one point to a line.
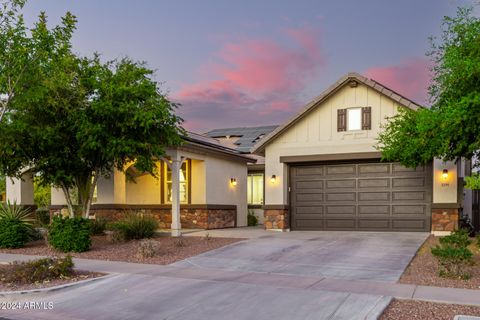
273	178
445	174
233	181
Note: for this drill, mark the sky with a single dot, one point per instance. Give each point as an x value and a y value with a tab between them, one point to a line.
249	63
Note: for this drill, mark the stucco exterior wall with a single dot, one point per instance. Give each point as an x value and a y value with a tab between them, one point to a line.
221	191
20	191
445	190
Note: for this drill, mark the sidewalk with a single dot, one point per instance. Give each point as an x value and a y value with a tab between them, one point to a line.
396	290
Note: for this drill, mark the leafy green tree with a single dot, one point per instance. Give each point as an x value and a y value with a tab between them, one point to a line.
450	128
41	193
80	118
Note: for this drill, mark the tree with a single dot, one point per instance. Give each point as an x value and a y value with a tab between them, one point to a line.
450	128
82	118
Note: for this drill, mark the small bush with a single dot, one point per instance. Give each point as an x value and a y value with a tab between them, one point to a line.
478	241
15	225
99	226
70	234
38	270
252	219
43	217
13	233
458	239
134	226
453	255
179	242
147	248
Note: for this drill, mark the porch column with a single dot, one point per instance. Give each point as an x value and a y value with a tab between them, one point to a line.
20	191
175	165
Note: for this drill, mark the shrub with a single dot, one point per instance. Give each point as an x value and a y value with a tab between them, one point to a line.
252	219
458	239
43	217
147	248
37	270
15	225
99	226
453	255
13	234
179	242
70	234
134	226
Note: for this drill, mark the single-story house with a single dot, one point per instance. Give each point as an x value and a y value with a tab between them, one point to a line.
211	188
323	170
320	170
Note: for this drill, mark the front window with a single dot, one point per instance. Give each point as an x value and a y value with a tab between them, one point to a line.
354	119
183	183
255	188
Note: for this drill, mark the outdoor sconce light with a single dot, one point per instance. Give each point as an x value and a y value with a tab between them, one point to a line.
233	181
273	178
445	174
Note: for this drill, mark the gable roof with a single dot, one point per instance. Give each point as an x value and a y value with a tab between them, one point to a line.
346	79
247	136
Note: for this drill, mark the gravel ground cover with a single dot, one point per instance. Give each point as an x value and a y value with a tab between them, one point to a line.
169	249
423	270
411	309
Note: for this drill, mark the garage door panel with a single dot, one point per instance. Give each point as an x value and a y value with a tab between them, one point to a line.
315	184
308	171
374	210
374	183
312	210
374	168
342	184
341	210
360	196
409	209
374	196
414	182
373	224
343	170
398	169
408	224
309	197
309	224
340	196
409	196
340	224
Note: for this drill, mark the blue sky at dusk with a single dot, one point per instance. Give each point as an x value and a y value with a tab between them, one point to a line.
246	63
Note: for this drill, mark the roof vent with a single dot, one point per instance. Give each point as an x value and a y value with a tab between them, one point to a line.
353	84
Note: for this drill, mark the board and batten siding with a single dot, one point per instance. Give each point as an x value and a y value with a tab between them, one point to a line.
316	133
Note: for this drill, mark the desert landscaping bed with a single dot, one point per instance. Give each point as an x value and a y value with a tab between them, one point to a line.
412	309
424	270
78	275
169	249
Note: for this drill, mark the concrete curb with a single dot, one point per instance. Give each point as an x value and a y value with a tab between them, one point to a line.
71	285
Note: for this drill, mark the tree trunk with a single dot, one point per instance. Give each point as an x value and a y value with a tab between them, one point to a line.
86	187
66	193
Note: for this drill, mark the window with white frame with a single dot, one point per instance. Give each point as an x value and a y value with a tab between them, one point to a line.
354	119
255	188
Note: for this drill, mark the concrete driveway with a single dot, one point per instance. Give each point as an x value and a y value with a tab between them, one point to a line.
380	256
297	275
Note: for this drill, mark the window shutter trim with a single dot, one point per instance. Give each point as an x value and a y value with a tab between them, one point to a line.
341	120
366	118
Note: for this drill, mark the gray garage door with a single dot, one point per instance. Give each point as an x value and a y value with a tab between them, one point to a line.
360	196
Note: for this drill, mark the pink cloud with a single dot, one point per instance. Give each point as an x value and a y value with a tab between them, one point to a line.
410	78
256	81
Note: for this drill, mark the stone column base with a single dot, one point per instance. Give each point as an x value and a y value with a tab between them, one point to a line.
444	221
276	218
